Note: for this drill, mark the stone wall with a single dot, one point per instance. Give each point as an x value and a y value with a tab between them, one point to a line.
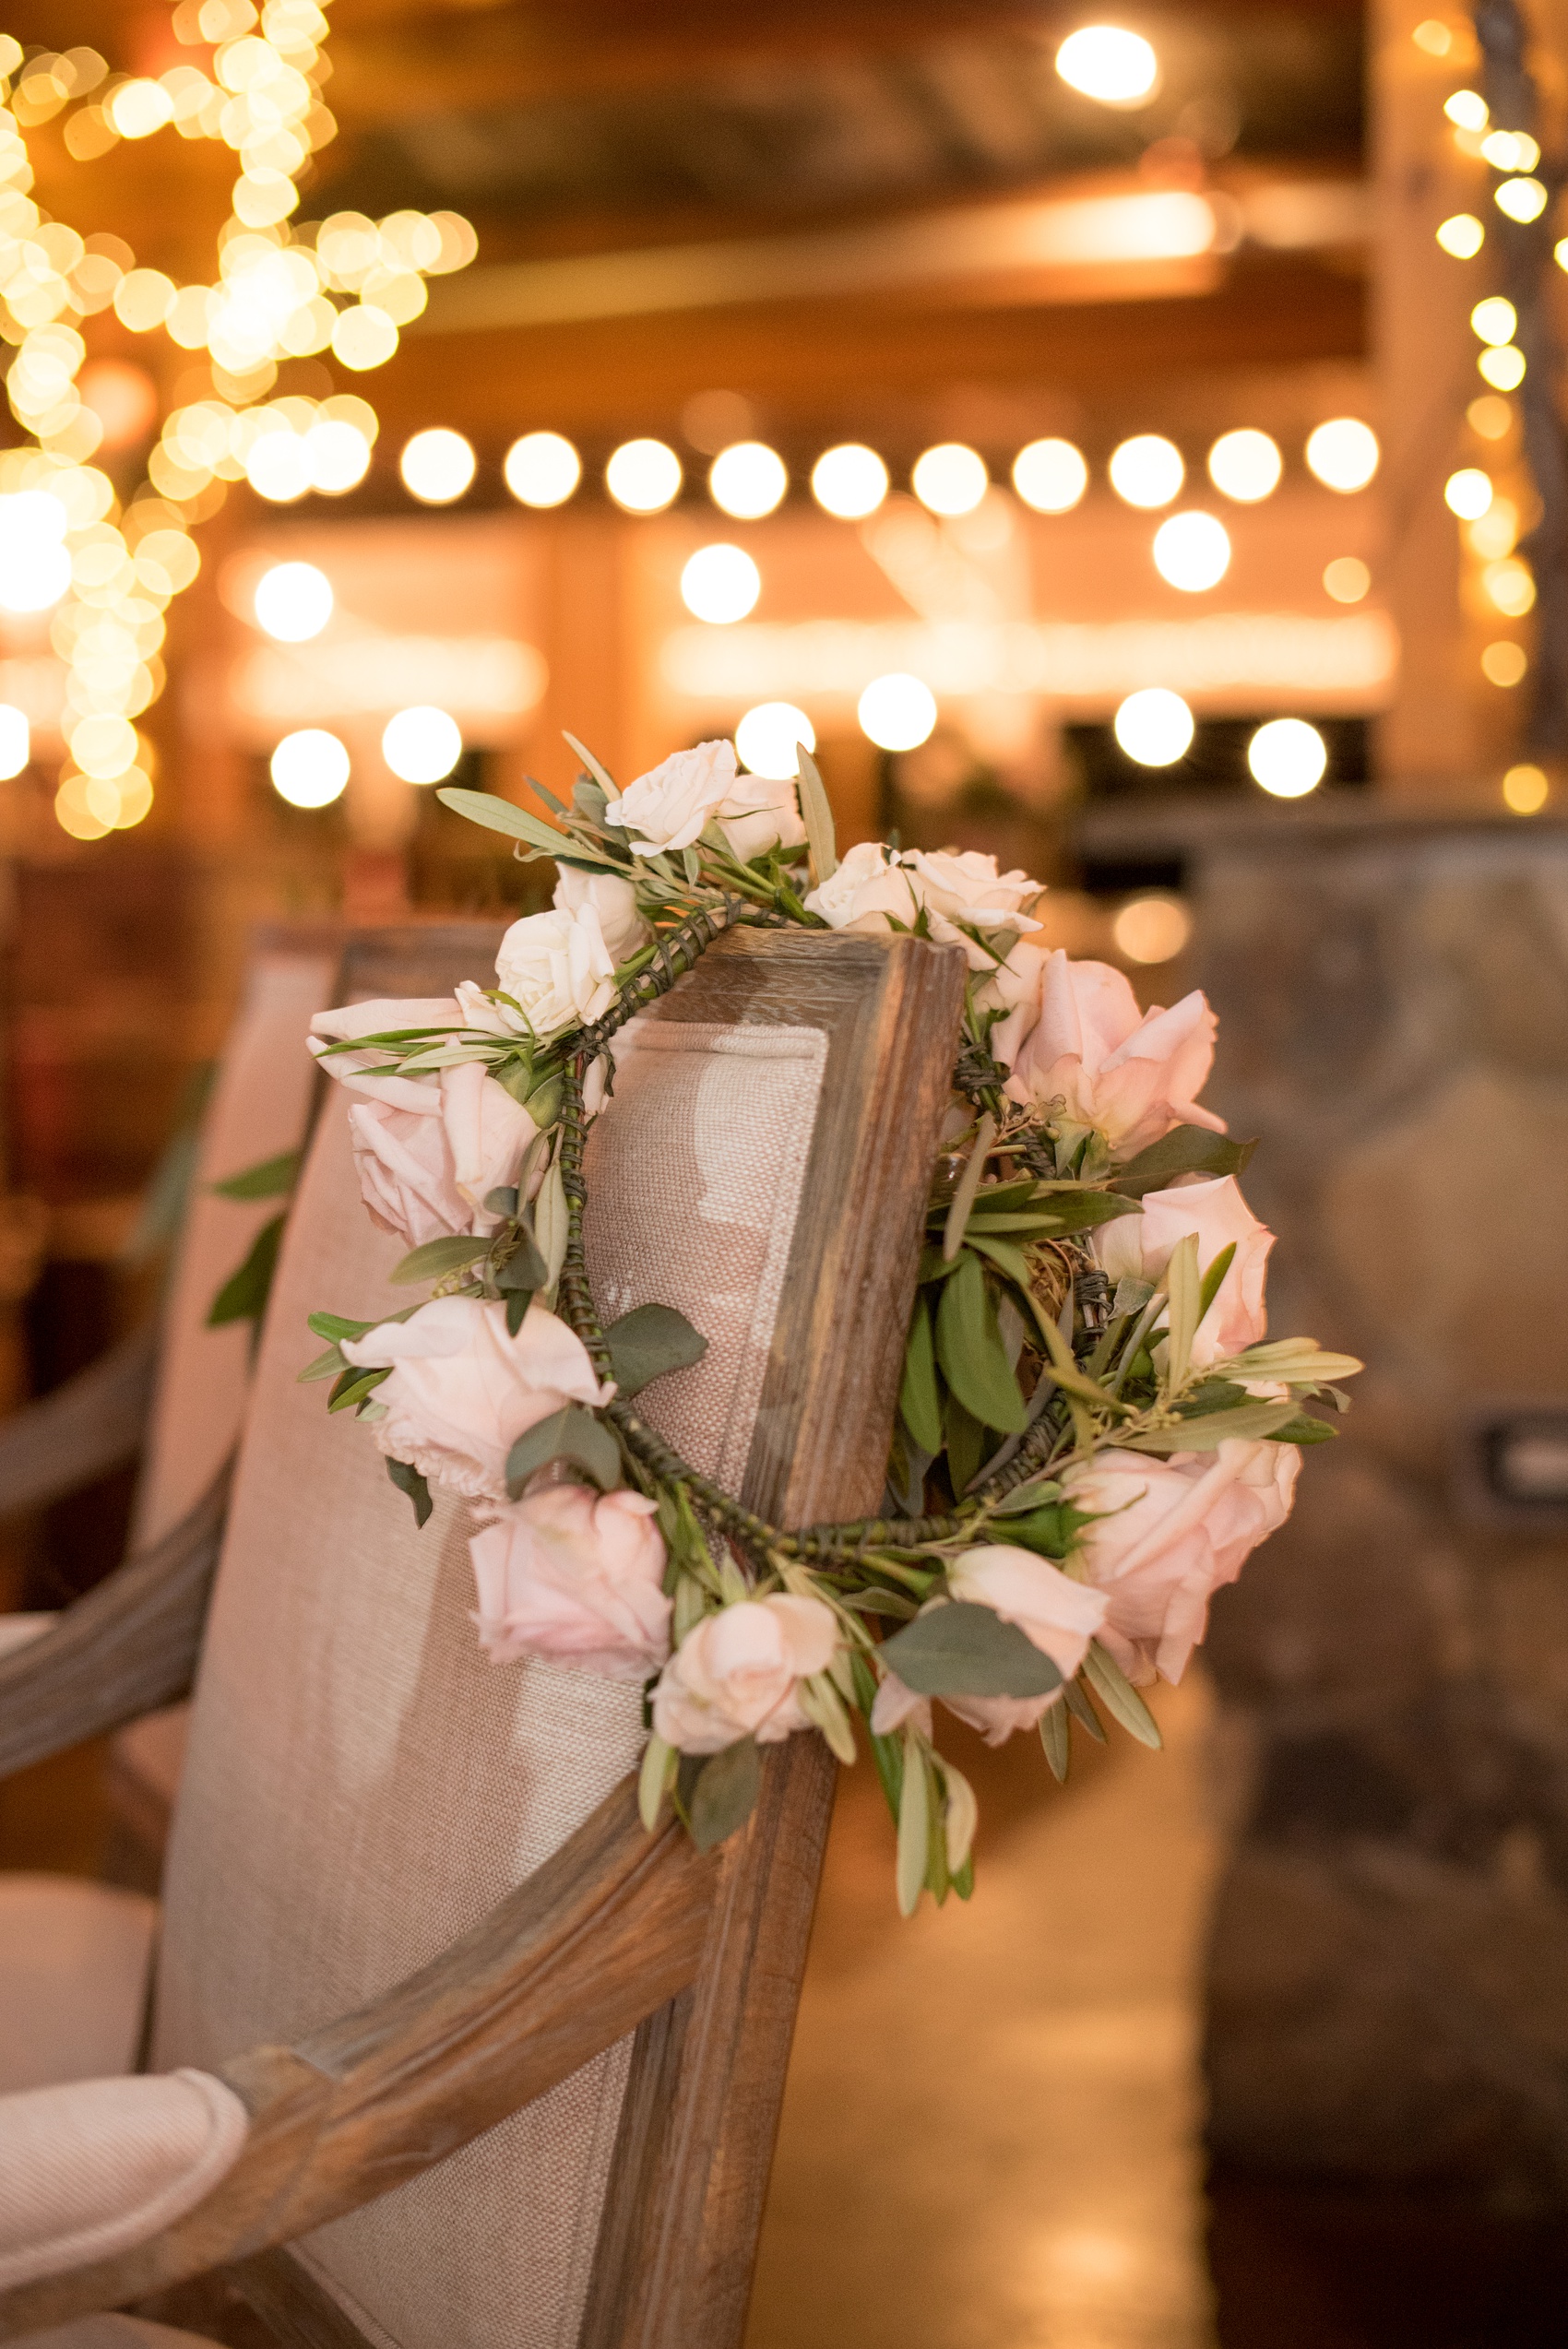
1389	1985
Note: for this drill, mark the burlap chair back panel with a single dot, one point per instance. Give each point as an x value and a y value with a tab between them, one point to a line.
259	1106
363	1784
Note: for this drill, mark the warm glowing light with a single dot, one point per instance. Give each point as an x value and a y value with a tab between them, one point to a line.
1104	62
1503	369
35	569
643	476
16	740
74	815
1505	663
1343	454
1155	727
1521	199
720	584
1346	578
1510	586
139	108
1491	416
1192	551
1497	531
849	482
1526	789
1512	151
1495	319
766	736
1466	109
1245	466
1147	470
1433	37
293	603
364	336
437	466
310	768
1463	236
1468	493
337	455
747	480
1051	475
1151	929
277	466
898	712
143	298
1288	757
950	478
104	745
422	745
542	470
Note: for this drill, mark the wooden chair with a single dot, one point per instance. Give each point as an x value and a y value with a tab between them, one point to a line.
506	2069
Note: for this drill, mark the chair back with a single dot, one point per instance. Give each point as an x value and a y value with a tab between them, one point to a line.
363	1786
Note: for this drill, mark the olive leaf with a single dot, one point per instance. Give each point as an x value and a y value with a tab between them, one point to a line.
914	1828
816	815
244	1294
973	1359
1186	1149
1120	1697
650	1341
522	1267
1056	1739
270	1179
355	1386
570	1434
1250	1423
408	1479
920	1401
437	1258
600	773
964	1650
1049	1531
719	1791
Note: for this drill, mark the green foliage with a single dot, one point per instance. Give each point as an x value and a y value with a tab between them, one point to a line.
1251	1424
409	1479
646	1344
1049	1531
1055	1737
1120	1697
1186	1149
570	1434
437	1258
920	1400
816	815
273	1178
355	1386
244	1294
973	1359
718	1791
964	1650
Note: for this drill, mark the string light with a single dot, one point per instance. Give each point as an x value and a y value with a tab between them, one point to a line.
1525	790
1494	320
542	470
1147	470
850	482
1466	109
766	736
898	712
1510	587
1343	454
1103	61
1245	466
1468	493
1288	757
310	769
1346	578
950	478
1505	663
1503	368
1151	929
1049	476
1521	199
422	745
293	603
1192	551
747	480
1463	236
720	584
1490	417
437	466
643	476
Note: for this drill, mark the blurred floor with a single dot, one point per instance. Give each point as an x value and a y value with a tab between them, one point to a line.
991	2130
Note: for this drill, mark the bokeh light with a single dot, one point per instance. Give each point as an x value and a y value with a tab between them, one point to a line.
1155	727
1107	63
1192	551
35	567
1510	151
1510	586
1495	319
1466	109
1462	236
1051	475
720	584
849	482
643	476
1289	757
1490	417
337	455
422	745
747	480
437	466
1151	929
1343	454
1245	466
1468	493
1526	789
898	712
766	736
16	740
1432	36
309	769
1346	578
293	603
1147	470
1524	199
1505	663
950	478
1503	368
542	470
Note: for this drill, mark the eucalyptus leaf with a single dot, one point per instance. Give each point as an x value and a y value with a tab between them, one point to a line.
518	1303
1120	1697
437	1258
960	1649
570	1434
973	1359
816	815
723	1792
1186	1149
408	1479
920	1401
543	1102
502	1201
273	1178
522	1266
649	1342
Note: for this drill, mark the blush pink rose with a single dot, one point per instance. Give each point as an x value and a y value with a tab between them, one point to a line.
1168	1534
428	1148
574	1577
737	1674
462	1390
1078	1037
1217	1214
1058	1615
955	886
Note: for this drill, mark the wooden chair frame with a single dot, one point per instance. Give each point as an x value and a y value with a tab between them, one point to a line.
620	1931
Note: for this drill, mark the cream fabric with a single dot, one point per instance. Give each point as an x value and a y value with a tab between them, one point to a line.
153	1751
361	1784
94	2168
109	2331
74	1963
259	1105
16	1630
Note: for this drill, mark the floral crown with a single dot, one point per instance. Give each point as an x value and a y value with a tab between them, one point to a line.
1092	1435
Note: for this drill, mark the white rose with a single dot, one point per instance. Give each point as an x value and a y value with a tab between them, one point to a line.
1078	1037
576	1577
462	1391
869	886
612	899
557	969
668	807
737	1674
1215	1215
428	1150
761	813
968	887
